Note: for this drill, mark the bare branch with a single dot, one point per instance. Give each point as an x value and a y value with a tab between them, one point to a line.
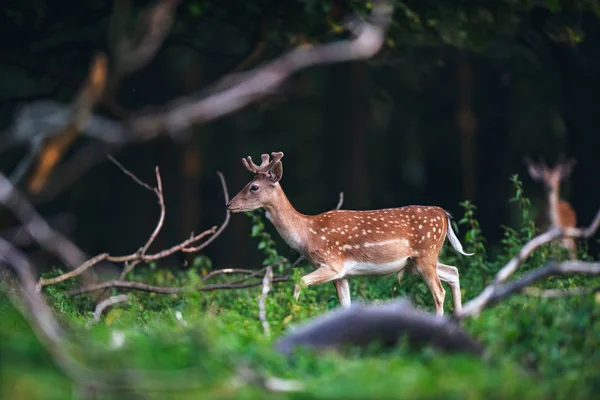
227	271
262	306
141	255
223	225
51	240
557	293
111	301
131	174
499	292
474	306
365	324
165	289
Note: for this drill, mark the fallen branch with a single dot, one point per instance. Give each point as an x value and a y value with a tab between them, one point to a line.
42	119
557	293
500	292
262	300
362	325
141	255
52	241
104	304
165	289
474	306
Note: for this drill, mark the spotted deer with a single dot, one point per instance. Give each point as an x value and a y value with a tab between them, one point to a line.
345	243
555	212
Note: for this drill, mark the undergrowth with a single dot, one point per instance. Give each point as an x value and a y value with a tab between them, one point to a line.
539	348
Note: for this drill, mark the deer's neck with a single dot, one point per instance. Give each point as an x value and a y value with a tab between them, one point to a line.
291	225
553	200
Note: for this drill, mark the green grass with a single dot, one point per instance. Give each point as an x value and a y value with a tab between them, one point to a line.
540	348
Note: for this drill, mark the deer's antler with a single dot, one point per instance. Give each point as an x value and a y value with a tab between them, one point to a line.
265	165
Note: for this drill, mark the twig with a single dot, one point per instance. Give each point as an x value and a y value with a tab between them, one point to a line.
165	289
474	306
500	292
131	174
140	255
227	271
262	300
223	225
51	240
111	301
557	293
37	119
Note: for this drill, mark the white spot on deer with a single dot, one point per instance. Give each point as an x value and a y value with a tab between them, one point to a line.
323	237
428	234
356	246
434	229
336	242
420	226
312	231
346	247
422	238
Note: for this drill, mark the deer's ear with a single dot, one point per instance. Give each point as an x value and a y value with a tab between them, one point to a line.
567	168
533	170
276	172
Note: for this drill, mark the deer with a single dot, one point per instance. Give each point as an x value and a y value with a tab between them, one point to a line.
555	212
348	243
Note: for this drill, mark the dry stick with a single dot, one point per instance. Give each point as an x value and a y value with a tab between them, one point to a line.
262	300
121	298
140	256
227	271
500	292
51	240
165	289
184	112
556	293
223	225
474	306
54	339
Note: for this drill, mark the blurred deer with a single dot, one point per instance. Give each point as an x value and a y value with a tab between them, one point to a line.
344	243
556	212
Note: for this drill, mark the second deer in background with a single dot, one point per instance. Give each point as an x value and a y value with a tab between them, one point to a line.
556	212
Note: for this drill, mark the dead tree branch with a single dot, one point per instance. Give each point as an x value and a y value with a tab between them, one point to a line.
262	300
141	255
51	240
165	289
557	293
365	324
474	306
38	121
104	304
500	292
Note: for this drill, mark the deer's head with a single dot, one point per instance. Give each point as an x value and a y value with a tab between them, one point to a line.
261	189
550	177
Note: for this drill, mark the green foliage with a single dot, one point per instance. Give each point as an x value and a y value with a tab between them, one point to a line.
266	244
539	348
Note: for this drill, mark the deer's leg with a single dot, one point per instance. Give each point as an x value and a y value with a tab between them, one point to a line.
427	268
449	274
320	275
343	291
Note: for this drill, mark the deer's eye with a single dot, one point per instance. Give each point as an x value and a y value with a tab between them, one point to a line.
253	188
